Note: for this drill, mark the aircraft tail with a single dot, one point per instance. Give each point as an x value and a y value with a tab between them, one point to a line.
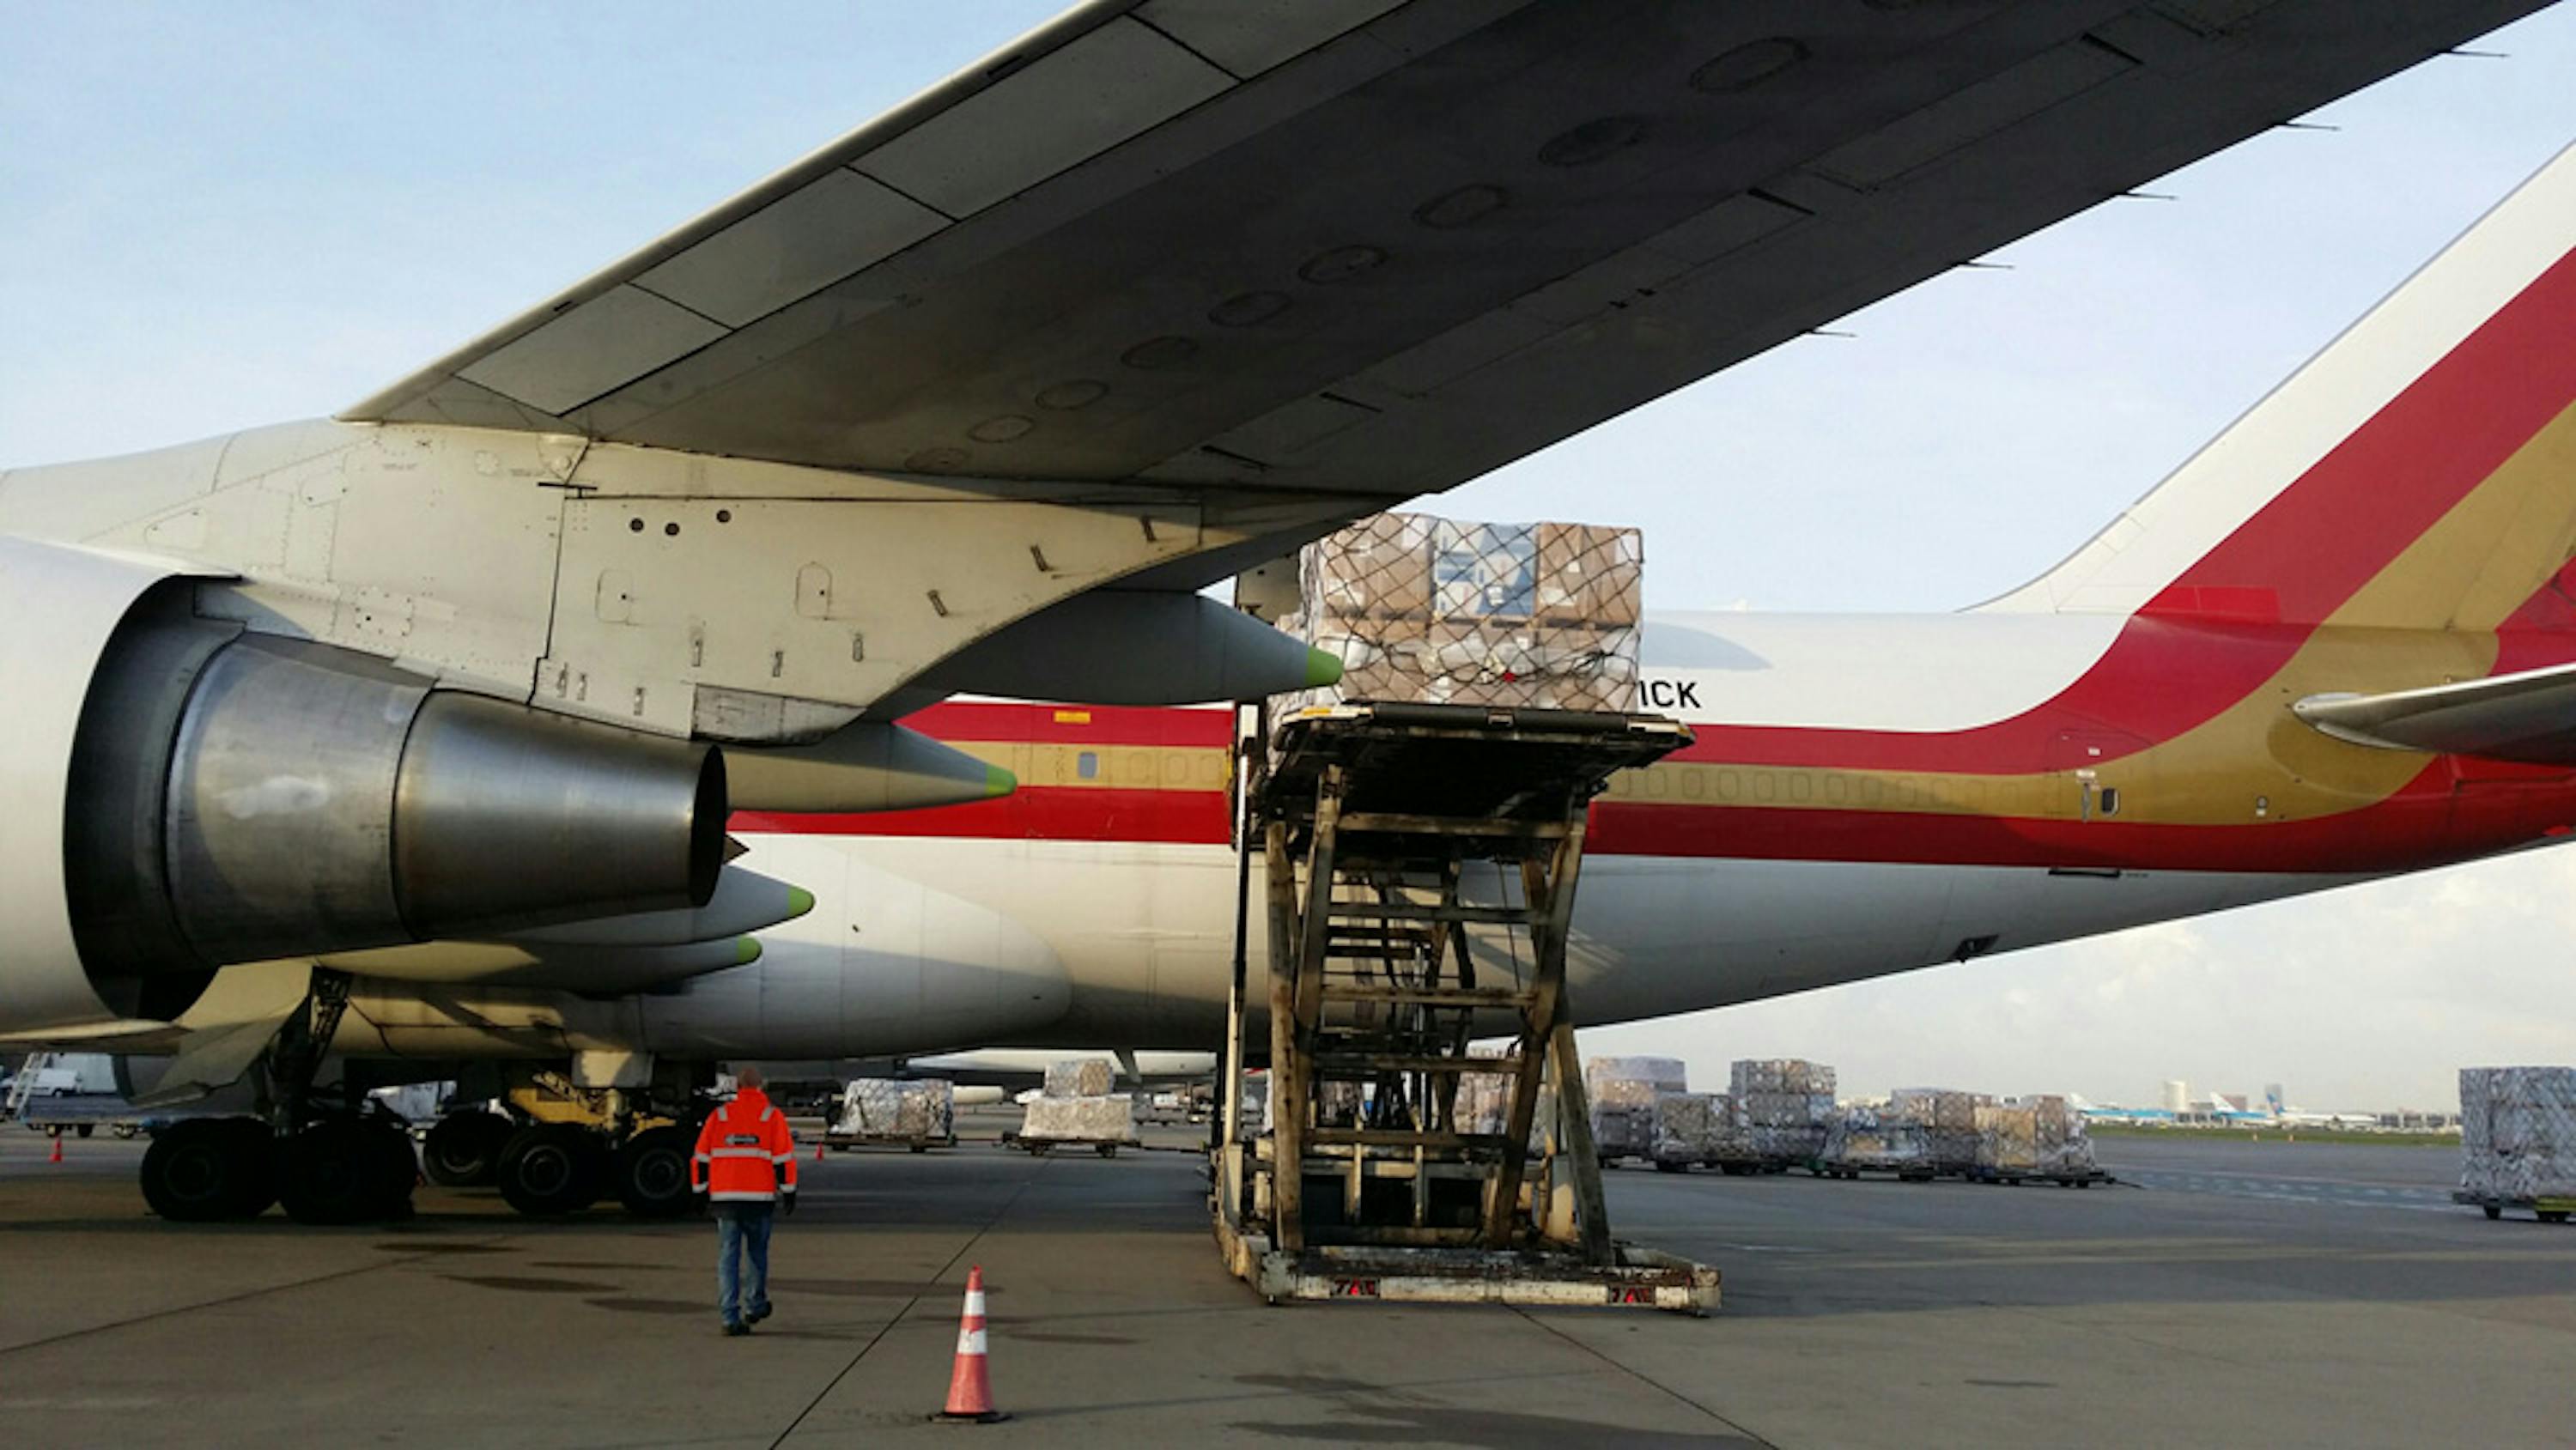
2419	473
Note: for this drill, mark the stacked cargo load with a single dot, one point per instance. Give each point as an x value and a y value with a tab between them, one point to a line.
2064	1149
1442	611
1077	1106
1088	1120
1786	1104
1949	1119
2518	1138
1695	1129
1623	1092
2007	1142
1483	1105
1883	1138
1080	1077
893	1110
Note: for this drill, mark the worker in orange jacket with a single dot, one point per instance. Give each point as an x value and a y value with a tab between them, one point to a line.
746	1167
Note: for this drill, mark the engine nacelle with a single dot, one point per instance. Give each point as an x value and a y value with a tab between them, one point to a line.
221	796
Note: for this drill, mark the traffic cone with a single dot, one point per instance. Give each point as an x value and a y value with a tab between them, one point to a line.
58	1148
818	1150
970	1390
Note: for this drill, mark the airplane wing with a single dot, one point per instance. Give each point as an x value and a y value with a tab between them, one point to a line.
1381	246
2529	716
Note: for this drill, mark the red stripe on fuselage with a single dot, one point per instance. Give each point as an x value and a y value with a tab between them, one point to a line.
1032	813
961	722
2193	651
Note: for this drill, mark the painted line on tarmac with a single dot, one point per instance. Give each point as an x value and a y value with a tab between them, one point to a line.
1632	1372
1038	1164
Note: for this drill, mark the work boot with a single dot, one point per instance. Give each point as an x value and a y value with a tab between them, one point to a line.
735	1329
756	1315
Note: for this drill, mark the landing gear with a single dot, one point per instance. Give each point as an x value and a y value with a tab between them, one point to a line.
207	1169
653	1173
463	1150
347	1171
553	1168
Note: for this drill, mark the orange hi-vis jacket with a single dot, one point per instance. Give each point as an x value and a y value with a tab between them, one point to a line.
745	1153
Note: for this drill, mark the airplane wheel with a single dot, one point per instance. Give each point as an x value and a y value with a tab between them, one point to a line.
653	1173
203	1170
552	1168
255	1149
463	1150
86	1129
345	1172
395	1164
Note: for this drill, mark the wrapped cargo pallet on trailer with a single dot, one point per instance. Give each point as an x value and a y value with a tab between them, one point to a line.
2007	1142
2064	1149
1888	1138
1697	1129
1786	1105
1623	1092
1447	612
1102	1123
2518	1139
1949	1119
894	1110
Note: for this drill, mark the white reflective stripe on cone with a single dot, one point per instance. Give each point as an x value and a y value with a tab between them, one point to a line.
970	1341
975	1303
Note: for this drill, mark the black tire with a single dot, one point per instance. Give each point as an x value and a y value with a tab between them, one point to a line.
550	1169
1108	1150
255	1149
193	1172
2553	1215
394	1162
463	1150
2494	1211
1661	1167
652	1172
86	1129
344	1172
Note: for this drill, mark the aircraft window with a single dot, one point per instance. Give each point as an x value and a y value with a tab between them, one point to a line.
2110	800
1087	765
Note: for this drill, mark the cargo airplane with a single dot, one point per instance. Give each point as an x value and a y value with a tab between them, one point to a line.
720	606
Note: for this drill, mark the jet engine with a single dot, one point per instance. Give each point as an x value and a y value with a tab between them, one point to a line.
218	796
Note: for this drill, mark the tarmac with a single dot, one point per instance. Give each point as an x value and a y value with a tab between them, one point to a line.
2277	1294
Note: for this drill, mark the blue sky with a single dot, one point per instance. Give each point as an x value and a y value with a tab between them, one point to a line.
214	216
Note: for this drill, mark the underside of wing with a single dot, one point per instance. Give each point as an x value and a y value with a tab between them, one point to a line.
1381	246
2530	717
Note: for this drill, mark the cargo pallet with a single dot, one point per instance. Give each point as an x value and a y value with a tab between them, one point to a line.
1731	1167
1041	1147
1903	1172
1369	817
916	1142
2552	1209
2014	1177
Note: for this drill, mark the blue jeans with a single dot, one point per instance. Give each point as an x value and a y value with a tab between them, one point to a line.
742	1228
